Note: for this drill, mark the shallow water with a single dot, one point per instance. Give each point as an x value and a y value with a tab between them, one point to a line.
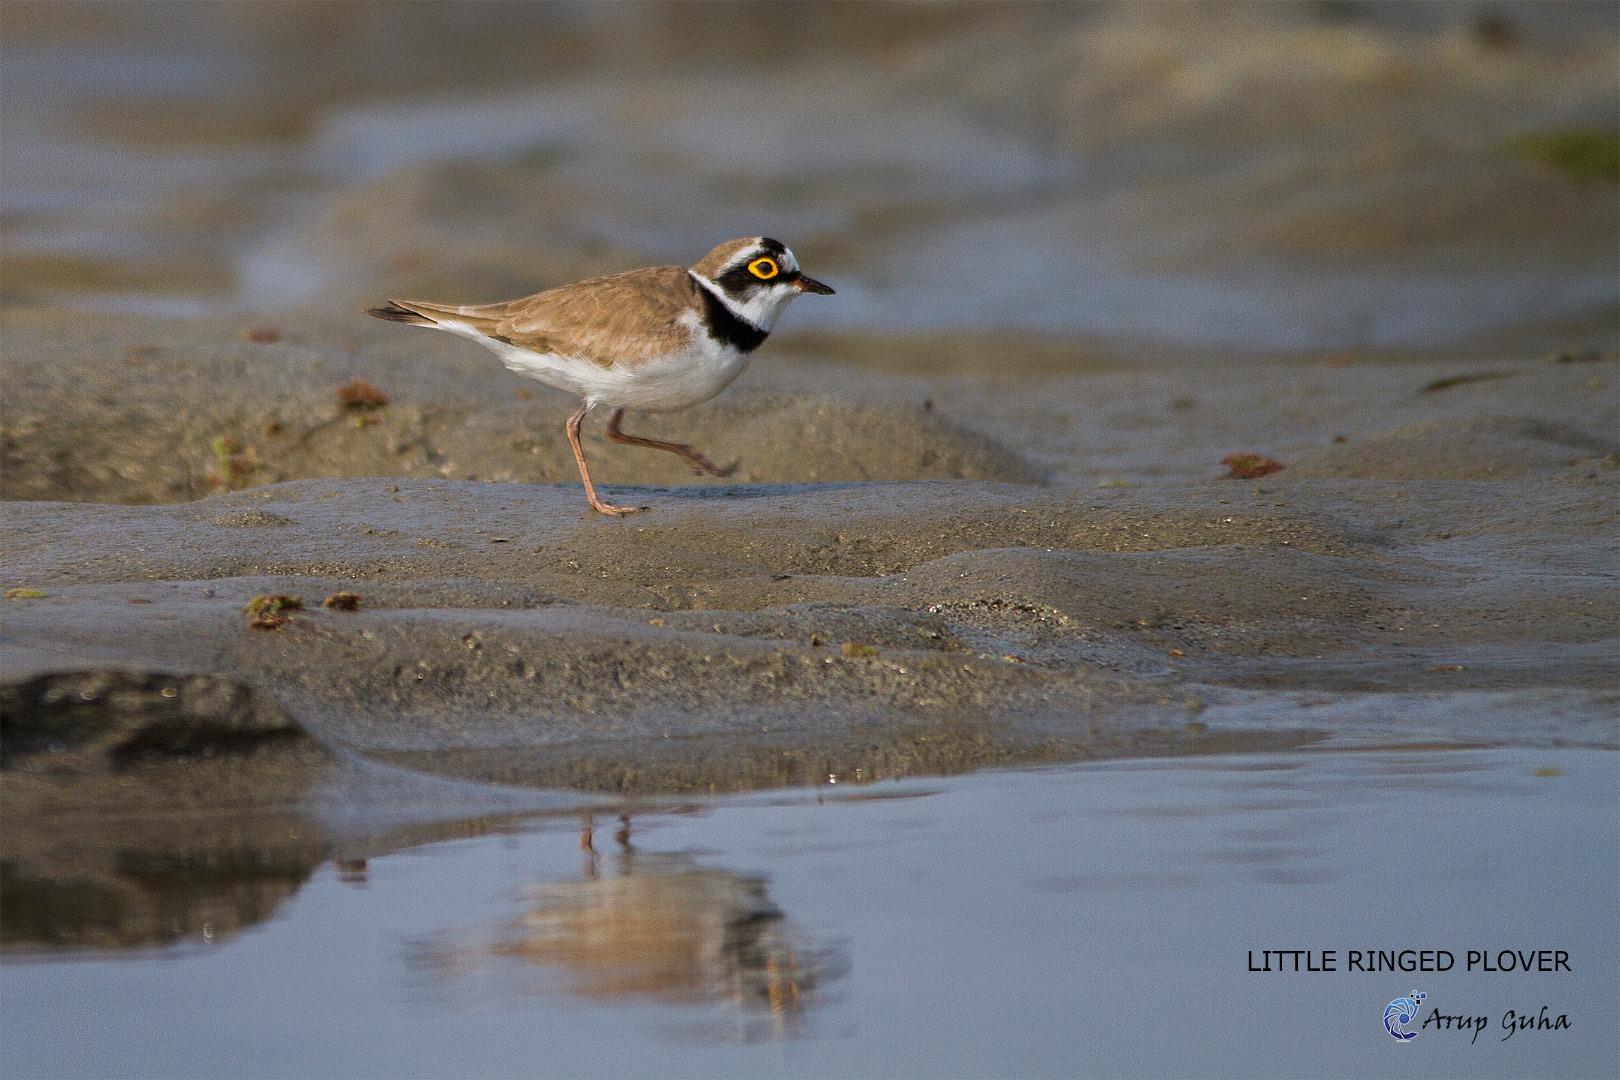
1086	920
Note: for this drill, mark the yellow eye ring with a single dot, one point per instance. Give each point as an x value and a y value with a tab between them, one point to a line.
764	268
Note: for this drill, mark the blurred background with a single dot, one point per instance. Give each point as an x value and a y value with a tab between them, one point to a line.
1316	176
1105	264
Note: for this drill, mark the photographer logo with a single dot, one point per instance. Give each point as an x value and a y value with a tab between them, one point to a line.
1400	1012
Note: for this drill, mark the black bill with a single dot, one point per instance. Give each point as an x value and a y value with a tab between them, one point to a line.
805	283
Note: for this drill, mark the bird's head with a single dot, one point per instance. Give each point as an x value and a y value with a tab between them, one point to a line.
756	277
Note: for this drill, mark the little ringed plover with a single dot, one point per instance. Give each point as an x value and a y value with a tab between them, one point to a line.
660	338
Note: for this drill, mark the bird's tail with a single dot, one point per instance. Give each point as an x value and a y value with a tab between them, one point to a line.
394	313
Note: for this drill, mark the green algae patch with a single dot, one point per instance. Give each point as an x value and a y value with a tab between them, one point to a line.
1589	155
234	464
269	611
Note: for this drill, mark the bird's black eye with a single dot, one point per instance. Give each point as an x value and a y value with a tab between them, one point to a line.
764	268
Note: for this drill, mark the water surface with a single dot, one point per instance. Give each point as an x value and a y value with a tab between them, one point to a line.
1090	920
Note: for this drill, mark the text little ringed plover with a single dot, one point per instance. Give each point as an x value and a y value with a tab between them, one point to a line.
659	338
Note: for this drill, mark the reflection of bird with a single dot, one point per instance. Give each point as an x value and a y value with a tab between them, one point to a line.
665	337
666	928
659	927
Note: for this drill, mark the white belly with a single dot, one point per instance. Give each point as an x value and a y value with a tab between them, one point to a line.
677	381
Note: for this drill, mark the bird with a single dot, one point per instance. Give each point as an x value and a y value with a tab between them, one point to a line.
654	339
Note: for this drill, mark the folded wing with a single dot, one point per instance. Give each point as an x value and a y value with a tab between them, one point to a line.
626	319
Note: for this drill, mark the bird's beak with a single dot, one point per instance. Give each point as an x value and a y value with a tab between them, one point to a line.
805	283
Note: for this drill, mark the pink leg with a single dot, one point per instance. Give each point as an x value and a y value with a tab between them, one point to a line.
690	454
584	474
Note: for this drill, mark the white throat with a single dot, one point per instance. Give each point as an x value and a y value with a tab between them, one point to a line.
761	310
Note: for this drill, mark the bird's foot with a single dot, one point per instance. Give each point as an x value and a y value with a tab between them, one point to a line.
700	463
615	511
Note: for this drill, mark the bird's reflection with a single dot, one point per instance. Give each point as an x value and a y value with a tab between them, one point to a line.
661	927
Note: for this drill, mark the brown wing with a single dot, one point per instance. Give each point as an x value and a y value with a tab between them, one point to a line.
624	319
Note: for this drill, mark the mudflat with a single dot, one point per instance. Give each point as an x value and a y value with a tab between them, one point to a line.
950	574
1200	379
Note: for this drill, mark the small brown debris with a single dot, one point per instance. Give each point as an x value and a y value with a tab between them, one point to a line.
1337	360
858	650
343	601
1464	380
1250	466
358	395
1341	439
272	427
273	604
25	594
1177	652
1547	772
816	642
262	335
523	393
269	620
1014	658
1449	667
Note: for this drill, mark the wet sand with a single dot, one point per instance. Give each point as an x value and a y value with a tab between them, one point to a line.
1027	567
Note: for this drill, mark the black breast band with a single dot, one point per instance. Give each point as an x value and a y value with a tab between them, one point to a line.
725	326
